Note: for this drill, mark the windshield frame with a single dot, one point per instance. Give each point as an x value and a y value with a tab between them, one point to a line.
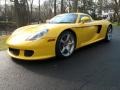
63	22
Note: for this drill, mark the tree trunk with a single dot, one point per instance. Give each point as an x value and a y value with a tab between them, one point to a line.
62	6
21	12
31	10
39	13
54	7
75	5
5	11
100	6
116	9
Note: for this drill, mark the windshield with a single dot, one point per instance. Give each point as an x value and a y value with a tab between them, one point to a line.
64	18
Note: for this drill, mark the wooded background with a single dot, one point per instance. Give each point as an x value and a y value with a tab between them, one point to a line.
24	12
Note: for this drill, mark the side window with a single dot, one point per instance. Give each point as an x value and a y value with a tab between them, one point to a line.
84	16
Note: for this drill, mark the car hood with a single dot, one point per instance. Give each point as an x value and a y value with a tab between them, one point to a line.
31	29
22	33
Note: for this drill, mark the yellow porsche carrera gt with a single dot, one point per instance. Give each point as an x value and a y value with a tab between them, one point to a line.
59	37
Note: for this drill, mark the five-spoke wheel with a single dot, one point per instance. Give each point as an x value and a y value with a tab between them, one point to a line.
65	44
109	34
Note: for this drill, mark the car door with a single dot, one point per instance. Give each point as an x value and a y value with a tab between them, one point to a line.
87	31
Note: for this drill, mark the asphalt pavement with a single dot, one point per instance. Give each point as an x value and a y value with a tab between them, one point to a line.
94	67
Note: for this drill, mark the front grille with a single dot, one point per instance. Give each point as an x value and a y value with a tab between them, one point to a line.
28	53
14	51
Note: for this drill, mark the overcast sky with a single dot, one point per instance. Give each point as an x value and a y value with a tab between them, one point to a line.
36	2
8	2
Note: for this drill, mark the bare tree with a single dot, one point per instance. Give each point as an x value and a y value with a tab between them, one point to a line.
62	7
75	6
116	8
39	12
31	9
100	6
5	11
55	7
31	4
21	12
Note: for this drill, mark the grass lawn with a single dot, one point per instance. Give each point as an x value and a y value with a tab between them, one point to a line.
115	24
3	45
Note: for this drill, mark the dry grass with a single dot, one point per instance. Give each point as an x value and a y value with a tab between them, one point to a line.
3	45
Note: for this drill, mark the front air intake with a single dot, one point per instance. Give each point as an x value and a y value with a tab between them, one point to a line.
28	53
14	51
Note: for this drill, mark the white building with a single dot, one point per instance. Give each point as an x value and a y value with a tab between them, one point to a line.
107	13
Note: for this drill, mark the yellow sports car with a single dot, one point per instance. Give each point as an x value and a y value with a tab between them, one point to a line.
59	37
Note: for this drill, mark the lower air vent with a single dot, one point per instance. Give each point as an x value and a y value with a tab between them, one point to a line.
28	53
14	51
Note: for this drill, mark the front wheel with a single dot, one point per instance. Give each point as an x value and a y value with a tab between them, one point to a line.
65	44
108	34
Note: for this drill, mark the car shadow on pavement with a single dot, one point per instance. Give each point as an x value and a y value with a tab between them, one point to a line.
80	66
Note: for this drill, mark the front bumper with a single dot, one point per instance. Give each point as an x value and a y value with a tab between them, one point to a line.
39	50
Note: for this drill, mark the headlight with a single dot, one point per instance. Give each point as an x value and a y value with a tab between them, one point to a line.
37	35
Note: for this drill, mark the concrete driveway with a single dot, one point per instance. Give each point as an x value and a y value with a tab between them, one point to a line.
95	67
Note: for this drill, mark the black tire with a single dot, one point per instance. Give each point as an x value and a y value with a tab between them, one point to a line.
62	44
108	36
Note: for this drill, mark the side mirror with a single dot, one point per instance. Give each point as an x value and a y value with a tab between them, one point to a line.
85	19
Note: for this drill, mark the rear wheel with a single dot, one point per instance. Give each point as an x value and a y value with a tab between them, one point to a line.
65	44
109	34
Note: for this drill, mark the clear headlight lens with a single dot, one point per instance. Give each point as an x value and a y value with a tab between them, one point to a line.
37	35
